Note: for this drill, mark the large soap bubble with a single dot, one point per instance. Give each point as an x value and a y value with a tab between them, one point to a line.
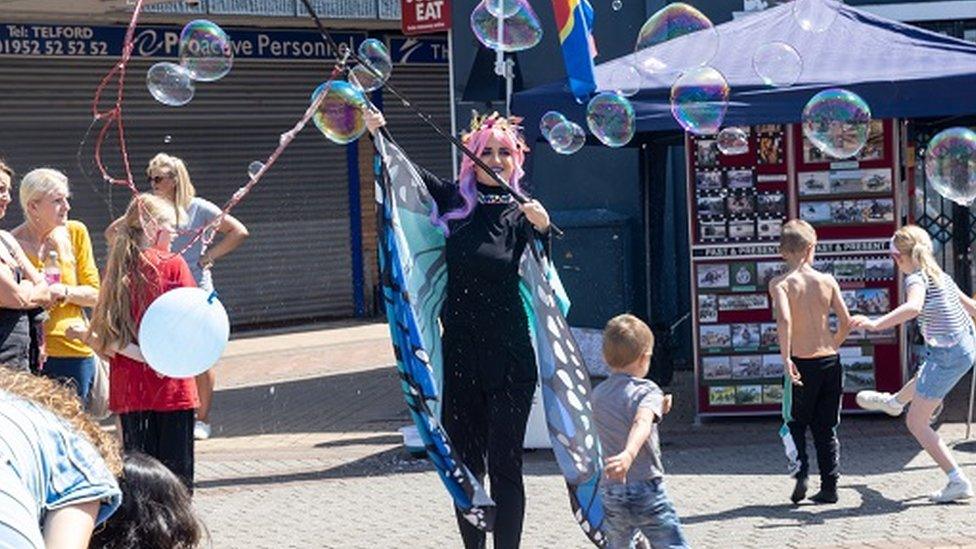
950	165
674	21
205	50
170	84
733	141
611	119
567	137
813	15
340	115
183	332
549	121
699	99
373	53
778	64
520	31
837	121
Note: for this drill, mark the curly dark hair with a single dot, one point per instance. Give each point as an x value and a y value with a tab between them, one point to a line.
156	511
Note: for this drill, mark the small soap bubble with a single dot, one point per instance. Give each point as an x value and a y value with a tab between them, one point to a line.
778	64
373	53
837	121
950	165
733	141
340	114
205	51
254	168
549	121
672	22
567	137
168	139
814	15
699	99
170	84
616	5
611	119
625	80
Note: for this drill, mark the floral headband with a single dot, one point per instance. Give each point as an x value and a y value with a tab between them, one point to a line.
510	124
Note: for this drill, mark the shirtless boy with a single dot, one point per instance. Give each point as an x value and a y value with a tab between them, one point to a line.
802	301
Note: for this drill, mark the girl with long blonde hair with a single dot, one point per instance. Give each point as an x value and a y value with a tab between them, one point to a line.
156	411
945	315
47	232
169	179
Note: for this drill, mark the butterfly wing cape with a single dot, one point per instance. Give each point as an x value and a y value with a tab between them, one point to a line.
414	277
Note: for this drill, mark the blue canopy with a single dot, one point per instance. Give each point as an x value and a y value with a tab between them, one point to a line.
901	71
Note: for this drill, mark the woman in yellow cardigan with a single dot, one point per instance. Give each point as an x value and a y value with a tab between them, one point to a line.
44	198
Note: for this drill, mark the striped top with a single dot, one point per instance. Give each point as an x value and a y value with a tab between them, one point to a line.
944	322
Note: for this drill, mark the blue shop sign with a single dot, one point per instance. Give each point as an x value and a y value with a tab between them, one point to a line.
36	40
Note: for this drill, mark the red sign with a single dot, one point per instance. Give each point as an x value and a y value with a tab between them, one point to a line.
425	16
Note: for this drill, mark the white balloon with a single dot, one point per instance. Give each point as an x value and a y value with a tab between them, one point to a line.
184	332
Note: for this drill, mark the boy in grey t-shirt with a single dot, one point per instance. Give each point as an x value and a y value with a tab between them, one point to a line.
626	409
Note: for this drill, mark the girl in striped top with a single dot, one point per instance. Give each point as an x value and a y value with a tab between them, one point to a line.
950	349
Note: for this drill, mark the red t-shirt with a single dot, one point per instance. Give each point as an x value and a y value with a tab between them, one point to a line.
133	385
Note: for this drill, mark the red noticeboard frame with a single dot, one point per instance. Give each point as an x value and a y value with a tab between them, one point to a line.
730	267
425	16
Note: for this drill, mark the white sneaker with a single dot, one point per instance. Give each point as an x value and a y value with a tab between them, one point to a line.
884	402
953	491
201	430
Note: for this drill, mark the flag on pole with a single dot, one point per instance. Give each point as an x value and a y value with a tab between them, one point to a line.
574	19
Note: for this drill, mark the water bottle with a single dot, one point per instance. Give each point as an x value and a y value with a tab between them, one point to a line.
52	270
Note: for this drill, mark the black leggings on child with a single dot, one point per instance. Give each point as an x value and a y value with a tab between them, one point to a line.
816	404
166	436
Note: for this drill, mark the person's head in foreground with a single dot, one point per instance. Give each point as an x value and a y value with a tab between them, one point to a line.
911	249
797	242
628	345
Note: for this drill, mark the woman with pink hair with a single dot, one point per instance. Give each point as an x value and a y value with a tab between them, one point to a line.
489	365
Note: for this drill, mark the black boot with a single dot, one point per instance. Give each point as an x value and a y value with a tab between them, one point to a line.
828	491
800	490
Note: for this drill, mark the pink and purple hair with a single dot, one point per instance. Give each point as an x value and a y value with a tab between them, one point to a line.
507	133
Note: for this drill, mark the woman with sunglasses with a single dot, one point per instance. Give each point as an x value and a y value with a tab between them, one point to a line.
944	312
170	180
47	230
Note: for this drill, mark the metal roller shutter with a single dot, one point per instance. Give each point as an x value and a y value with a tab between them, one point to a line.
427	87
296	264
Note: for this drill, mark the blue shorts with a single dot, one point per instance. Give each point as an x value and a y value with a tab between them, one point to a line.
943	367
641	506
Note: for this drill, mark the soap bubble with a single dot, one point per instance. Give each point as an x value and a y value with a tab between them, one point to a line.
625	80
520	31
254	168
502	8
567	137
950	165
733	141
837	121
616	5
671	22
548	121
778	64
340	115
205	50
611	119
374	53
170	84
168	139
813	15
699	99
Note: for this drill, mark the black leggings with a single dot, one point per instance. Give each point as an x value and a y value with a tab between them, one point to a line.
487	397
816	404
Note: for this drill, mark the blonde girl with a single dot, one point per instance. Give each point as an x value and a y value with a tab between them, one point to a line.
169	179
945	315
46	229
156	411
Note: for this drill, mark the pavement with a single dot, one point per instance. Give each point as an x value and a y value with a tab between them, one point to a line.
306	454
